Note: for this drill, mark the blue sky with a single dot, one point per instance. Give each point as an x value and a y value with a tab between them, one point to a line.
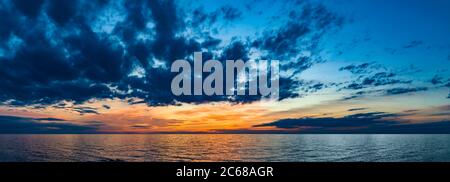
86	62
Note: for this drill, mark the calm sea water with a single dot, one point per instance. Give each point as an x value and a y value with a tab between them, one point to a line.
201	147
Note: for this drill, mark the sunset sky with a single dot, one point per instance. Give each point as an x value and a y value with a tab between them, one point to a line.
347	66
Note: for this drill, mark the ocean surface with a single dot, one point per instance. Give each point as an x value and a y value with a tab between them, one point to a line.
225	147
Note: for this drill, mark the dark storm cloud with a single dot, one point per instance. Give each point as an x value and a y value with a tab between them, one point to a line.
382	78
57	52
411	110
437	80
378	79
62	11
29	8
375	79
316	87
355	95
373	122
303	27
78	109
301	32
85	110
396	91
13	124
354	120
357	109
441	81
356	69
350	97
49	119
139	126
371	75
385	92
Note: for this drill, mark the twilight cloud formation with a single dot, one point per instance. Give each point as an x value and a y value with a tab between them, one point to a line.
11	124
83	50
372	122
74	62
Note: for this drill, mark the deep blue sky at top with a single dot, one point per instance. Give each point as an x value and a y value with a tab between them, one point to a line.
376	30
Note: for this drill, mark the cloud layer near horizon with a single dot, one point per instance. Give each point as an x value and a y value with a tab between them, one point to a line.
370	122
